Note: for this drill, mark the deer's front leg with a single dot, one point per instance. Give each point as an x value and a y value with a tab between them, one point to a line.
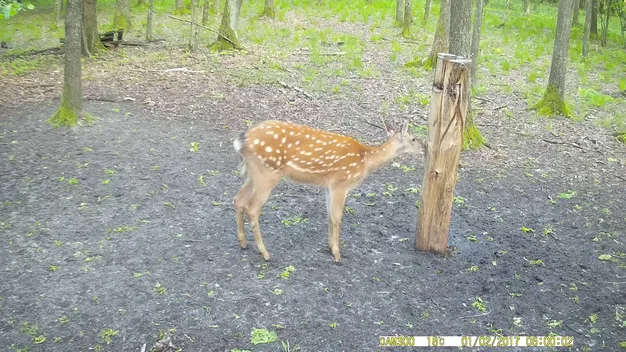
336	202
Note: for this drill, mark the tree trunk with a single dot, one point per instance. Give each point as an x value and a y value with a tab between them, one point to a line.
440	40
58	8
227	38
408	18
576	12
122	18
269	10
399	12
192	30
215	5
526	7
588	10
594	19
461	44
91	37
72	100
180	8
142	3
426	11
150	20
205	12
478	20
553	101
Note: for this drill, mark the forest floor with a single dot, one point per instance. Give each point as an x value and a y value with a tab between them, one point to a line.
121	232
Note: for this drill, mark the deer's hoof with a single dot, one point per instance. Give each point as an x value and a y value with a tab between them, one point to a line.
243	244
266	256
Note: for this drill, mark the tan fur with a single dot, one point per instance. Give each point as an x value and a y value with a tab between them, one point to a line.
305	155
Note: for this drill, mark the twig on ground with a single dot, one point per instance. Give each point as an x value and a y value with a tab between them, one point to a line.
566	143
500	107
183	69
109	100
323	54
205	27
143	348
300	90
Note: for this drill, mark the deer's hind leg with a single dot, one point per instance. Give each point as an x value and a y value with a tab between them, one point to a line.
241	203
263	183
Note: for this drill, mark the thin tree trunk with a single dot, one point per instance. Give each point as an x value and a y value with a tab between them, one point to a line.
576	12
122	18
408	18
58	8
553	101
588	10
478	20
194	6
180	8
399	12
150	20
91	41
72	100
142	3
205	12
269	10
227	38
440	40
526	7
594	19
215	5
427	11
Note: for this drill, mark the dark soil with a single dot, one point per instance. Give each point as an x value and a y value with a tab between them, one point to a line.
152	252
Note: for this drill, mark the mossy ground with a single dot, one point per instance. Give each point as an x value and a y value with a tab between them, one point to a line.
552	104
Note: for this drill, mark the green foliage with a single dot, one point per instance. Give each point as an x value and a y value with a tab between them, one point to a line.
11	8
65	116
552	104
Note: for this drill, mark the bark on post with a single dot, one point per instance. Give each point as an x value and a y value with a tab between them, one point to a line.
588	10
448	111
150	20
72	100
399	12
227	38
408	18
440	41
553	102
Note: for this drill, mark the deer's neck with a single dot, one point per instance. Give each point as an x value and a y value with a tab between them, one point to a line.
377	156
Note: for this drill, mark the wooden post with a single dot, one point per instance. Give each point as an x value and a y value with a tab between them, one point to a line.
448	111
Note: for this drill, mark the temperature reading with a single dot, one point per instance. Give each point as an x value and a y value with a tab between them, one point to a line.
435	341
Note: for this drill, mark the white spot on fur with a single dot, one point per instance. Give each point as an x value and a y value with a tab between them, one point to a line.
268	149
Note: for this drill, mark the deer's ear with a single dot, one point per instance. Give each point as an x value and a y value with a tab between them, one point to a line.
389	128
404	131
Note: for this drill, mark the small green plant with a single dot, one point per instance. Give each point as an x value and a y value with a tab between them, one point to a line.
159	289
287	272
260	336
479	305
473	269
294	220
332	325
527	229
107	335
195	146
567	195
535	262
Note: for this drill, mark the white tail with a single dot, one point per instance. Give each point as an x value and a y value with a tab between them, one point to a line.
338	163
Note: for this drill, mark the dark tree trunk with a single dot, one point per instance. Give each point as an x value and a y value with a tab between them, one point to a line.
576	13
72	100
588	11
205	12
594	19
553	101
478	20
150	20
91	37
427	11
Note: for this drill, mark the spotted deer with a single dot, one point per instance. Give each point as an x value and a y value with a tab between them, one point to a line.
305	155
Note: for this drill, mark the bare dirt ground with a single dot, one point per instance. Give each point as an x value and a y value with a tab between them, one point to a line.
120	233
